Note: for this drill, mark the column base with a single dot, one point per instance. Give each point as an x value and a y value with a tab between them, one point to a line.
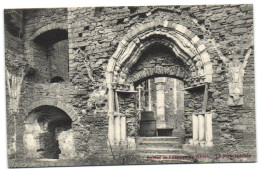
209	144
195	142
202	143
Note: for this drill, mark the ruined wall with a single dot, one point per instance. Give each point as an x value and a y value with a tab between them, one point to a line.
93	36
59	57
38	21
54	62
13	49
232	28
97	31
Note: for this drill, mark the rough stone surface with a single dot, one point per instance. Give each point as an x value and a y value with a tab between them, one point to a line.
96	33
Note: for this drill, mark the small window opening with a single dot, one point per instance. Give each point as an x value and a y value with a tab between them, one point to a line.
57	79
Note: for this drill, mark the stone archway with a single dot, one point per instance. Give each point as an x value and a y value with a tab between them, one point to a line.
71	111
185	44
47	28
48	131
181	40
48	45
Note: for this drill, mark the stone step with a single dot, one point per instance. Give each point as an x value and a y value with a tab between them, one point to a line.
166	159
170	144
141	139
162	150
159	150
155	154
169	161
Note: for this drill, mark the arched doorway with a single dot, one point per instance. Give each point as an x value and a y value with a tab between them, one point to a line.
48	133
188	61
162	104
161	100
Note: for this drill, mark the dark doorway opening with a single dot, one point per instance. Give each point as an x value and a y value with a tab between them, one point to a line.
164	132
48	128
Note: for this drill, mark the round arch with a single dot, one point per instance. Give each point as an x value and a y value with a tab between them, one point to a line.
47	28
184	43
69	110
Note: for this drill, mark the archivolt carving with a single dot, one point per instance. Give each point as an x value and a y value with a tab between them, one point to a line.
185	44
174	71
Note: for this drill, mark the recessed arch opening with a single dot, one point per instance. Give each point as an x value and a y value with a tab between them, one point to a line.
159	76
48	133
49	48
188	63
51	37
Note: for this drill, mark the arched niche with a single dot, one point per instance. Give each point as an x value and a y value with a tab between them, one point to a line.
48	52
48	133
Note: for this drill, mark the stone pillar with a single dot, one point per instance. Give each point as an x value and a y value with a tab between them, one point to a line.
209	135
150	102
195	127
139	88
160	100
66	144
175	97
111	134
123	128
30	140
201	129
111	130
117	129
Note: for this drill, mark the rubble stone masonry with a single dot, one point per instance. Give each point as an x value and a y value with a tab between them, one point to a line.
86	39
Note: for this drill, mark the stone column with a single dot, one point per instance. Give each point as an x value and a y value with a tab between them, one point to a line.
139	88
150	102
209	135
160	100
123	128
111	130
117	129
111	133
195	129
201	129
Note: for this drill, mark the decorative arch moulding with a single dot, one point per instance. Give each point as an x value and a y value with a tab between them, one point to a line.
185	44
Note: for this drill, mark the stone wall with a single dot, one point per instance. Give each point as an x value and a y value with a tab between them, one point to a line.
13	49
59	57
93	36
229	25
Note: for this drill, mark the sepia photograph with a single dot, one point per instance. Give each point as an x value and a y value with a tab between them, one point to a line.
129	85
